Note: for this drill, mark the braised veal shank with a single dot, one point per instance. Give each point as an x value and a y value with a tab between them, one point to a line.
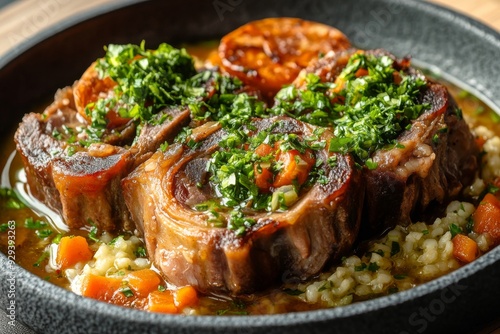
430	165
298	242
84	186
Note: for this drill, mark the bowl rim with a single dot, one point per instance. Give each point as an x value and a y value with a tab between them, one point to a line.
118	313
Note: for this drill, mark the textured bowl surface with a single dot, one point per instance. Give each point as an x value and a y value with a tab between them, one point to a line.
457	47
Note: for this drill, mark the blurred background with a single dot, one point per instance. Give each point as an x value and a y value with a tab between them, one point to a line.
21	19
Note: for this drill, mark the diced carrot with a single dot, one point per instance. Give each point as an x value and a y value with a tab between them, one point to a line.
161	301
296	166
143	281
263	178
464	248
71	250
397	77
487	217
361	72
263	149
185	296
480	141
100	287
339	84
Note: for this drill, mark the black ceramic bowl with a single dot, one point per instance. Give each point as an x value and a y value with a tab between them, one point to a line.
464	50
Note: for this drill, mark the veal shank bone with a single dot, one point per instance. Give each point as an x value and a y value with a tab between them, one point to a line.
298	242
85	186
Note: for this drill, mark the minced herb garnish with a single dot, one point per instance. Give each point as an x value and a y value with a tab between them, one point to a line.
224	103
378	106
42	229
368	106
265	171
312	105
10	199
374	103
147	81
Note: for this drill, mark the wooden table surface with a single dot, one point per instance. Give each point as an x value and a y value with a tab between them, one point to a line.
23	18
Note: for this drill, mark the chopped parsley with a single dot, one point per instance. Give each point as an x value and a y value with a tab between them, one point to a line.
371	110
93	231
56	134
164	146
45	255
114	240
216	97
455	229
366	112
379	252
237	307
239	223
376	109
42	229
127	292
34	224
57	239
469	226
11	200
232	174
328	285
140	252
234	166
395	248
393	289
370	164
42	234
435	139
492	189
361	267
147	81
312	104
70	151
373	267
